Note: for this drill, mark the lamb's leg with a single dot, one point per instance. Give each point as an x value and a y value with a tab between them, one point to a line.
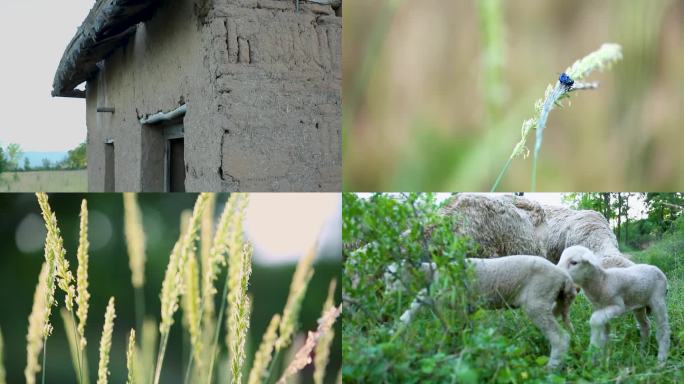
659	308
642	319
415	305
598	321
542	316
562	310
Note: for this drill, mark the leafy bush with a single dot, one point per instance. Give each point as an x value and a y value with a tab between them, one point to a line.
668	252
460	342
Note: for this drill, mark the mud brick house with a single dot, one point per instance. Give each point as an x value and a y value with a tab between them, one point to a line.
209	95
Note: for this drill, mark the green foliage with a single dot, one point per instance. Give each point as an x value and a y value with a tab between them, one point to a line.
3	160
76	158
668	253
661	210
459	342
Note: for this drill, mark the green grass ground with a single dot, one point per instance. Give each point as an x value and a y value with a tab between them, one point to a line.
44	181
504	346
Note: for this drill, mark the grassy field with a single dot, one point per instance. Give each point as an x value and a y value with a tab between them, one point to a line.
504	347
44	181
454	341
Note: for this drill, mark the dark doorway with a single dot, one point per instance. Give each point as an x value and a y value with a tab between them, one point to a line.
176	164
109	167
163	157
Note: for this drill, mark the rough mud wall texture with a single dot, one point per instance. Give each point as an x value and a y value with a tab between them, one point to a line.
262	87
162	65
278	77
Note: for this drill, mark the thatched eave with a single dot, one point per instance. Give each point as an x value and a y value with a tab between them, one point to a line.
108	26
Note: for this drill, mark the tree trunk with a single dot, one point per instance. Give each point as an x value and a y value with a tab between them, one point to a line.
619	215
627	220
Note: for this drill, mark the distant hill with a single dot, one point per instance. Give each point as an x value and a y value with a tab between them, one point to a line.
36	158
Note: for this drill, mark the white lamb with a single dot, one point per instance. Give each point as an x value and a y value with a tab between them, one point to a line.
532	283
612	292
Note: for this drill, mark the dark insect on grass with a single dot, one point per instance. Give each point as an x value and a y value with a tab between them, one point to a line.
566	80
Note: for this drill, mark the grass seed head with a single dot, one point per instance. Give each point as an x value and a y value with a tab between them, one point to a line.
83	296
106	343
135	239
303	356
131	358
298	286
39	327
323	347
56	245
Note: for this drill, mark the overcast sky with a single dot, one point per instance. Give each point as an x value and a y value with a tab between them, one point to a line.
33	36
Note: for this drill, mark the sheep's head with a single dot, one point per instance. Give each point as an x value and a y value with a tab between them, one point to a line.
398	274
580	263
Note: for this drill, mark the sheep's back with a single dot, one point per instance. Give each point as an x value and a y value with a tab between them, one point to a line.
567	227
638	283
508	281
498	226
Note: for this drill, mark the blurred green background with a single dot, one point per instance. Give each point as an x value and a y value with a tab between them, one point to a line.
436	91
21	232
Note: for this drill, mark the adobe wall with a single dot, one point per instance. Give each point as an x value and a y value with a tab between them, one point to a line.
262	88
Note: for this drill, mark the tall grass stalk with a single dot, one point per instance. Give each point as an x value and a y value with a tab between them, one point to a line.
191	310
323	347
57	256
83	296
56	243
239	308
303	356
216	258
298	286
600	59
206	235
172	286
3	378
169	304
354	96
36	335
135	243
106	343
148	348
290	318
77	357
491	25
228	239
131	359
263	355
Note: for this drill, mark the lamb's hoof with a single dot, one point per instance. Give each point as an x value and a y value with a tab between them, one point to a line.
595	354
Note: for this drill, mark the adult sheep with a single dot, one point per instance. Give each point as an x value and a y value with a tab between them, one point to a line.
567	227
541	289
612	292
496	225
509	225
